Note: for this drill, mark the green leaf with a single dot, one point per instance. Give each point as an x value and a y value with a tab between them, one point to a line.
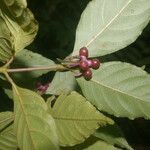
34	127
2	77
76	119
18	27
8	92
120	89
5	119
113	135
137	53
8	139
27	58
62	82
101	145
110	25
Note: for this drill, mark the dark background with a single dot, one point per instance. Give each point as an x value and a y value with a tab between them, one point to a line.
58	21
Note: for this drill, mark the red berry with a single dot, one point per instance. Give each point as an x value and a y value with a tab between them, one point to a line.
83	65
87	74
84	52
42	88
95	63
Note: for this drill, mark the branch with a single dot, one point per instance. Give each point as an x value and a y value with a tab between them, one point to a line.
50	68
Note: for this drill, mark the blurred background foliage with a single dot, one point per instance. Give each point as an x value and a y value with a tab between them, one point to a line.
58	20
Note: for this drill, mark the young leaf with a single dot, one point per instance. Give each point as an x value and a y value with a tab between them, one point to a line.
62	82
34	127
101	145
76	119
113	135
8	139
110	25
5	119
120	89
17	27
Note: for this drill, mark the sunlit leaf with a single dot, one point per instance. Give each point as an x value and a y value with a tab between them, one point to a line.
17	27
34	127
110	25
120	89
8	139
76	119
5	119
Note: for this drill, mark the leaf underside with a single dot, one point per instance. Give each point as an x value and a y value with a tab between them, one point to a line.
27	59
138	55
62	82
113	135
110	25
119	89
101	145
76	119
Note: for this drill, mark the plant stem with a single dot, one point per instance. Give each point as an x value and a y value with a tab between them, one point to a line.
9	79
9	62
50	68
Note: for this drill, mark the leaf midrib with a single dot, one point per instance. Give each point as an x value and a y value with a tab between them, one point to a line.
109	24
117	90
78	119
21	104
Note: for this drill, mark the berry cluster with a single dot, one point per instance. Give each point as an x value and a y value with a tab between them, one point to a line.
85	64
81	63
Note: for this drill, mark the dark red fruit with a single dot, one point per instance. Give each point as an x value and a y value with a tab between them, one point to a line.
42	88
83	65
87	74
84	52
95	63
